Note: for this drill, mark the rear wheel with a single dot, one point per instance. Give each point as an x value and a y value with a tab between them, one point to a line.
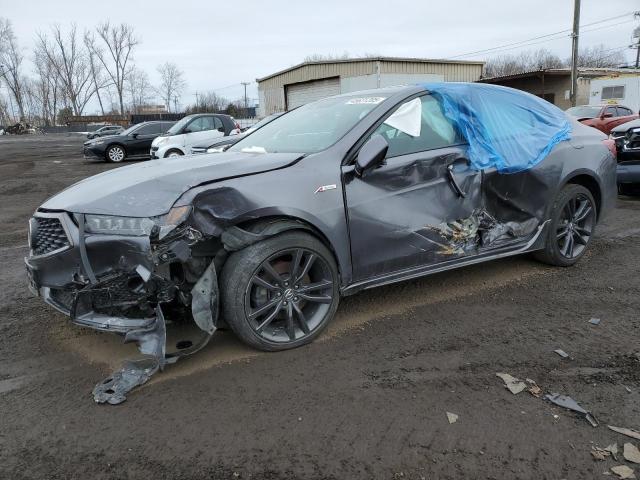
116	154
572	225
173	153
280	293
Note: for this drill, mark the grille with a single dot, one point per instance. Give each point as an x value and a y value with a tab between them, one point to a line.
49	236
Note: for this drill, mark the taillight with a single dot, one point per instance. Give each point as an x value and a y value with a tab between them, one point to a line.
611	145
238	126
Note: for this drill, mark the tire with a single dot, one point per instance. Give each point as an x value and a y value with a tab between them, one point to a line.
628	189
573	221
173	153
267	310
115	154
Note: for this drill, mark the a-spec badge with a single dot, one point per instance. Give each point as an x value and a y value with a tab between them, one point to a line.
324	188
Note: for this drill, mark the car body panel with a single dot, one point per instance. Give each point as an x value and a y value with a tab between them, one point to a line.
606	124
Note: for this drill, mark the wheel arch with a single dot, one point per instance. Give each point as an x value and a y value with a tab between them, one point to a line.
173	149
589	181
249	231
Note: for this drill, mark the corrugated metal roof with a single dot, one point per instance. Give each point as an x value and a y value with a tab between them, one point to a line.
560	71
371	59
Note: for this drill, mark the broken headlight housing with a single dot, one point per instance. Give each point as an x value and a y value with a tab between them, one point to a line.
135	226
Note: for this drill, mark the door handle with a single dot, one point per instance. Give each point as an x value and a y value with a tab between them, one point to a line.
452	180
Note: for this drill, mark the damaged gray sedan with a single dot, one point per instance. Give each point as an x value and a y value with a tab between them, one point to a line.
343	194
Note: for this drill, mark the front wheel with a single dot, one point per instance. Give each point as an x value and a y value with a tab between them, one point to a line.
173	153
116	154
572	225
280	293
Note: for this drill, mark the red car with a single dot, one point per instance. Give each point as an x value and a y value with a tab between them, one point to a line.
602	117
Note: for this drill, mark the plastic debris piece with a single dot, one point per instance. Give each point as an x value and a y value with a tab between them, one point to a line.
570	404
514	384
631	453
452	417
613	450
623	472
562	353
594	321
627	389
626	431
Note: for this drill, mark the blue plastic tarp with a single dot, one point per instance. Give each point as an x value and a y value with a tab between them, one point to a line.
506	128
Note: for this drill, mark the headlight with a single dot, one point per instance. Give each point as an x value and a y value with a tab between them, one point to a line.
98	142
216	149
136	226
160	140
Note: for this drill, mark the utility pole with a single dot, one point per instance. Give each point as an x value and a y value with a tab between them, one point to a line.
246	108
175	104
574	52
197	102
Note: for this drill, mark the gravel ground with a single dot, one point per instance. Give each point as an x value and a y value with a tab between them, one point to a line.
367	400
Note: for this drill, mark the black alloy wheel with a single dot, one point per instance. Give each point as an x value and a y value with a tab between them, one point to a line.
280	293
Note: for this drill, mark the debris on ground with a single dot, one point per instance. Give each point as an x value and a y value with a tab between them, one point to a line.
631	453
514	384
626	431
622	471
535	390
570	404
627	389
562	353
452	417
594	321
613	450
600	454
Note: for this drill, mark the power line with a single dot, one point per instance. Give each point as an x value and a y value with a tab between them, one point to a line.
558	35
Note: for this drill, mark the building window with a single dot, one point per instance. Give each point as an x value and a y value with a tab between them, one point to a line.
616	92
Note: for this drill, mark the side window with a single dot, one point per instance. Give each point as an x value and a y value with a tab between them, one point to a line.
197	125
623	112
217	124
422	127
611	110
148	129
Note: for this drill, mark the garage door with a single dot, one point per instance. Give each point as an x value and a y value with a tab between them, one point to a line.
301	93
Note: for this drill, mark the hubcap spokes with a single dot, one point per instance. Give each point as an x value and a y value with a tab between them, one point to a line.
575	227
289	295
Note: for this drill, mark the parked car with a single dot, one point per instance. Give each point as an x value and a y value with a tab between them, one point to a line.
603	117
627	138
221	144
105	131
193	130
132	143
343	194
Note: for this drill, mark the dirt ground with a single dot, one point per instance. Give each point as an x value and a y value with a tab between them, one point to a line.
368	400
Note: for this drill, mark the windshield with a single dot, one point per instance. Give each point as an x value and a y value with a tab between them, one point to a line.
178	126
262	122
584	111
310	128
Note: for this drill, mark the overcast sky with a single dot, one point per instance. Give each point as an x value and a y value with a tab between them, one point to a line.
219	44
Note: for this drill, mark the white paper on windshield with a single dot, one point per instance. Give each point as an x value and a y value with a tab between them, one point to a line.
254	150
364	100
408	118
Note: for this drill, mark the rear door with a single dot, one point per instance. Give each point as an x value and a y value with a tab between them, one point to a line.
413	210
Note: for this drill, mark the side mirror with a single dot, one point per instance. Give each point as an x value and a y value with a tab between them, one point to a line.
606	115
186	130
135	135
221	129
371	154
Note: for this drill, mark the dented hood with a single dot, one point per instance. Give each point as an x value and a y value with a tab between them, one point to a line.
151	188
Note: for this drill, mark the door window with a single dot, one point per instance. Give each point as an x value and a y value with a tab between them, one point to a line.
416	126
148	129
202	124
623	111
217	124
612	111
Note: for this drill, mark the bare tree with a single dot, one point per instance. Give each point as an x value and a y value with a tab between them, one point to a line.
11	64
46	87
139	89
69	60
599	56
172	83
540	59
119	42
98	78
208	102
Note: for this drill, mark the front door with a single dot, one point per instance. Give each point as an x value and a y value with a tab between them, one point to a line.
141	144
420	207
202	130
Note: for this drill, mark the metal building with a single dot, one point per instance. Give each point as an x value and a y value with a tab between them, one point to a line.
313	80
